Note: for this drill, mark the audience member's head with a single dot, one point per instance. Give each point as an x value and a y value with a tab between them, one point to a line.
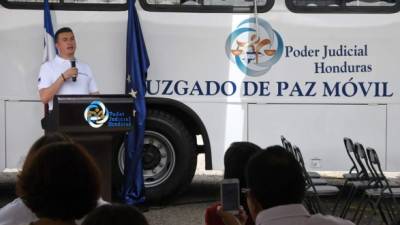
235	161
60	181
274	178
115	214
45	140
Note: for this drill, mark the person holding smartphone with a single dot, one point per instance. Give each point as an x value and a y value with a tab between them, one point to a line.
235	160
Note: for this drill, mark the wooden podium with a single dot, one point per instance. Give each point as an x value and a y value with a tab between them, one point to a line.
98	122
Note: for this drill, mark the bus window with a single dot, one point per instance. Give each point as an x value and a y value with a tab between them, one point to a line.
90	5
343	6
227	6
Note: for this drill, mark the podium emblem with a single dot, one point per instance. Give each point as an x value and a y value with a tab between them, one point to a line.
96	114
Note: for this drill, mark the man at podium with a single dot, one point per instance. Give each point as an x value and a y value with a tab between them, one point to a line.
64	74
97	122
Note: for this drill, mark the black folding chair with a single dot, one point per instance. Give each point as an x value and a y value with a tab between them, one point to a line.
358	183
283	139
288	146
313	190
382	196
314	175
354	172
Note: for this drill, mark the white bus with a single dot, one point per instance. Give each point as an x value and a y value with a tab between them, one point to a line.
221	71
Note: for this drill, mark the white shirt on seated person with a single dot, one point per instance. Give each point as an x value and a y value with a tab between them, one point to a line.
296	214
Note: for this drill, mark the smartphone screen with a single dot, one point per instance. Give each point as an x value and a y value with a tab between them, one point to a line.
230	195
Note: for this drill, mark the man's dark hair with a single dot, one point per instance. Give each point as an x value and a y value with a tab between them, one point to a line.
61	181
275	178
115	214
62	30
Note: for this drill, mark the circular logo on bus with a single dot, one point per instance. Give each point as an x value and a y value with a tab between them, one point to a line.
253	50
96	114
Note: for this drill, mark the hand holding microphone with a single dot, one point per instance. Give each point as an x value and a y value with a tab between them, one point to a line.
71	72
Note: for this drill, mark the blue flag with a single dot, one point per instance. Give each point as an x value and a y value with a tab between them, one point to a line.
49	47
137	63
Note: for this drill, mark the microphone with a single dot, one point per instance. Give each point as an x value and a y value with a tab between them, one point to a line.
73	64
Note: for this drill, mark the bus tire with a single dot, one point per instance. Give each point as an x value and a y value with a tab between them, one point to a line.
169	158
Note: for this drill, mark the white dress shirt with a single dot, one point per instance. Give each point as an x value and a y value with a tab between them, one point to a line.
51	71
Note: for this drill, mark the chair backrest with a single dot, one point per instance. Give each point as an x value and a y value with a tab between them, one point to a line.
376	169
299	157
295	151
284	143
288	146
348	144
283	139
361	158
297	154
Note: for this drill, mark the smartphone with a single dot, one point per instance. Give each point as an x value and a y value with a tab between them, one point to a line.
230	199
